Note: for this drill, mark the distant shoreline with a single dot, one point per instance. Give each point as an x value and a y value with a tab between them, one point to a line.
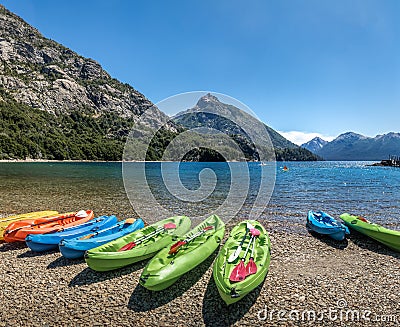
103	161
77	161
120	161
49	160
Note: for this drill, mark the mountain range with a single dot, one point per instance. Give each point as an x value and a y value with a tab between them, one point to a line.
315	145
56	104
210	112
353	146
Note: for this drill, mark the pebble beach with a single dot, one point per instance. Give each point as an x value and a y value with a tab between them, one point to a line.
307	274
350	283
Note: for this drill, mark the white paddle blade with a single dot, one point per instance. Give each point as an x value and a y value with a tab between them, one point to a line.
235	254
81	214
250	226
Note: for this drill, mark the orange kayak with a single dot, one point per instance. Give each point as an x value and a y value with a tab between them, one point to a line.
17	231
5	221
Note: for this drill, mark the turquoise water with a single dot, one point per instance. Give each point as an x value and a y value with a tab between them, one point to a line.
335	187
338	187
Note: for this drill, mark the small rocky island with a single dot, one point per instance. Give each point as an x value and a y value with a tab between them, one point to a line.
393	161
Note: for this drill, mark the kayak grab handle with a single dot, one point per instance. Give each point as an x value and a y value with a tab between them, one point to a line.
234	294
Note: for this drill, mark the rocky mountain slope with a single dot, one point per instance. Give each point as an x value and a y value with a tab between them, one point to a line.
56	104
315	144
43	74
352	146
210	112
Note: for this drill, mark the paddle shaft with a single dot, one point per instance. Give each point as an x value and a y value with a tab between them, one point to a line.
251	267
38	224
104	230
146	237
153	233
85	237
198	234
244	237
235	254
88	223
159	230
248	247
252	249
175	247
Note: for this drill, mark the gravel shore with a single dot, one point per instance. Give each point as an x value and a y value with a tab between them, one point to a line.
307	274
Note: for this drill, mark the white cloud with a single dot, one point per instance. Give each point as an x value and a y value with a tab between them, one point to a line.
300	138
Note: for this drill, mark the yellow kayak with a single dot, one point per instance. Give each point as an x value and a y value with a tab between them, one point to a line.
4	222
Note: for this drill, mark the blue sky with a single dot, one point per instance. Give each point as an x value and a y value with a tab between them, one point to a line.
322	67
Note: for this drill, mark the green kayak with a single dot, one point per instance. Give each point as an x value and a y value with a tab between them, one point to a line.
390	238
180	257
137	246
225	266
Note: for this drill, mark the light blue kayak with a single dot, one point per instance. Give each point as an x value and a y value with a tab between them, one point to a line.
322	223
76	247
50	241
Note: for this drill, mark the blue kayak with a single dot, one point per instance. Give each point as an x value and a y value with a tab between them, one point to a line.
76	247
322	223
46	242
